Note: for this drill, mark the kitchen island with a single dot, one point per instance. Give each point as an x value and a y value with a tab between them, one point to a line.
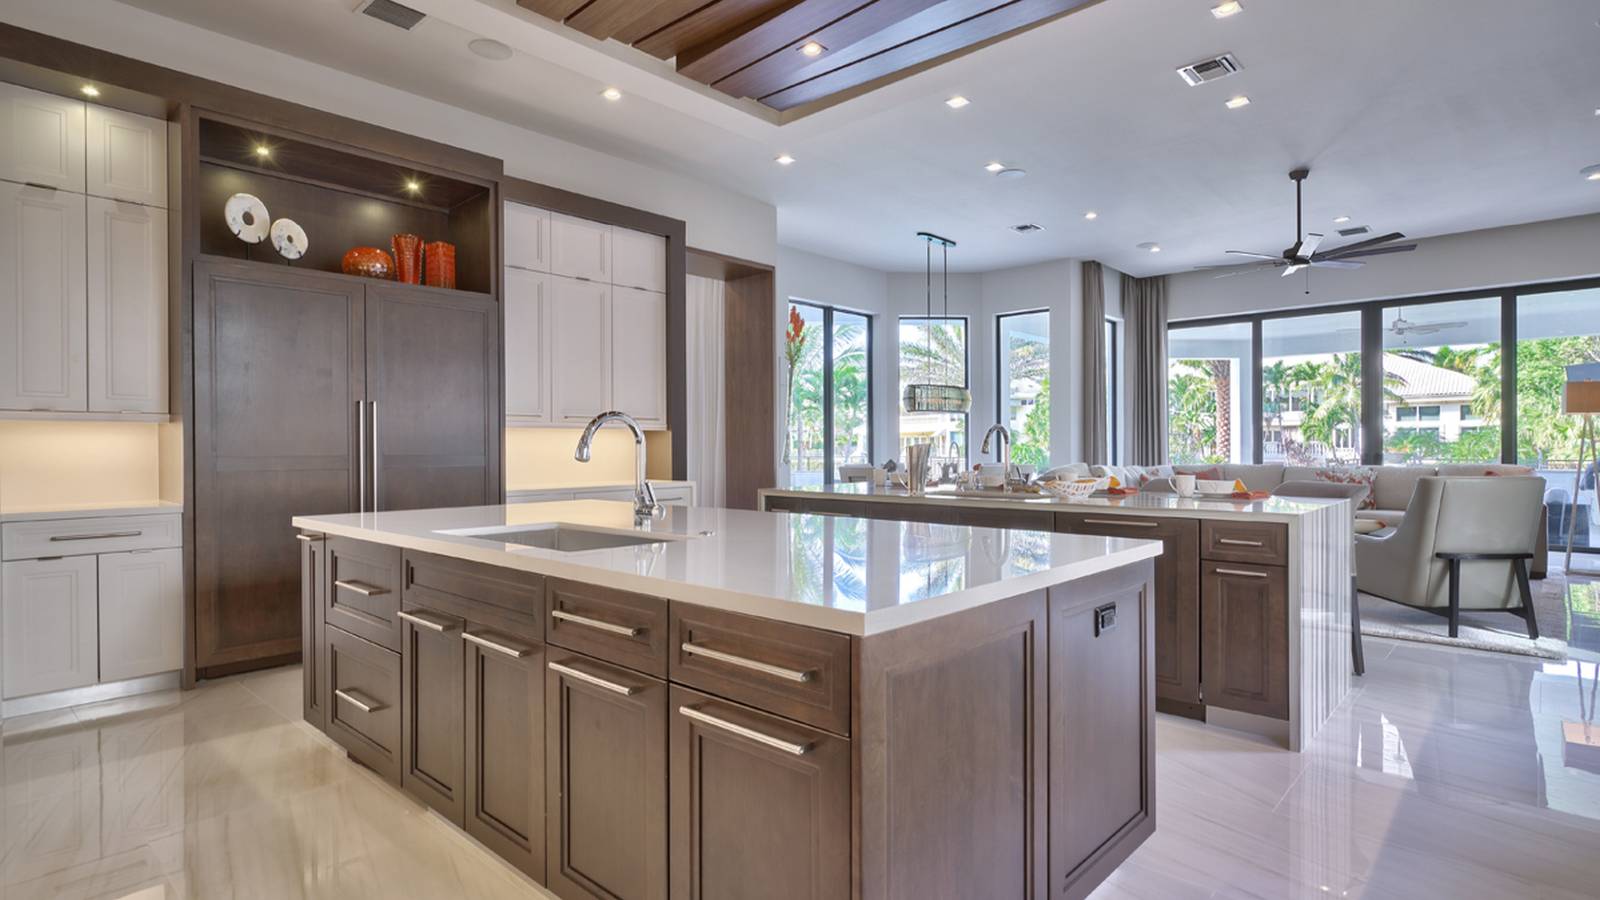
736	704
1253	597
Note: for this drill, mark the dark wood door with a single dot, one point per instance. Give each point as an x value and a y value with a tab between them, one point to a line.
433	708
279	370
1177	600
313	556
760	805
506	744
433	389
606	730
1246	638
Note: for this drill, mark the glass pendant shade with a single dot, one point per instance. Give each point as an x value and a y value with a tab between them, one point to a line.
936	398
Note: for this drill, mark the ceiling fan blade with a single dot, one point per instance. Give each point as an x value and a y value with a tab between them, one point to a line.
1375	251
1292	268
1256	255
1336	264
1362	245
1308	247
1231	271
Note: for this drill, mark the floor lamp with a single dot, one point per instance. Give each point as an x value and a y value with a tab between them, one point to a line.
1580	398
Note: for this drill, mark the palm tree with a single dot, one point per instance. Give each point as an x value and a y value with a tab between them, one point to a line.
933	351
1335	397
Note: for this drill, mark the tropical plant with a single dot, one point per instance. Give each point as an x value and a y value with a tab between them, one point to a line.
1032	447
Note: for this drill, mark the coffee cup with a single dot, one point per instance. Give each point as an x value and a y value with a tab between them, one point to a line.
1184	485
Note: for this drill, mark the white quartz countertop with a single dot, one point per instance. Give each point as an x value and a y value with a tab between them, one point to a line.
1154	503
855	576
90	510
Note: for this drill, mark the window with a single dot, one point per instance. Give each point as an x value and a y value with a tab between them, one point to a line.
1113	391
830	387
1428	413
1439	356
1406	413
934	351
1023	383
1208	393
1556	330
1311	389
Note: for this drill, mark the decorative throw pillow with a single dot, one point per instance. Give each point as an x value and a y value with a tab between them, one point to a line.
1363	475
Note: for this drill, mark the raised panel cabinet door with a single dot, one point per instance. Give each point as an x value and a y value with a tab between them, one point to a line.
639	355
313	585
43	299
433	710
127	156
506	746
606	794
580	349
364	701
127	307
1246	627
527	237
41	141
141	613
527	299
760	805
49	620
433	390
580	248
279	364
638	259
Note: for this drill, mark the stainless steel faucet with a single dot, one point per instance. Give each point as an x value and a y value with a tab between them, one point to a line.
644	496
1005	448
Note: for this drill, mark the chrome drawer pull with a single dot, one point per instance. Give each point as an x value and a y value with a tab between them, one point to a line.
308	538
797	675
361	587
95	537
1236	542
740	730
358	700
431	621
607	627
1243	572
595	680
508	648
1134	522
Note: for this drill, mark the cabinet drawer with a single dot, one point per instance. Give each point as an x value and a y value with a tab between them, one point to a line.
431	578
1257	542
81	537
616	626
363	595
790	670
364	701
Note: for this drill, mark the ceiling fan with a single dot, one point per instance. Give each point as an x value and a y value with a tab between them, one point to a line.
1306	252
1402	326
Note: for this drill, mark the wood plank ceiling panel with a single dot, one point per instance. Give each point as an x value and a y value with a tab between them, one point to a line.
706	24
728	53
601	19
660	14
554	9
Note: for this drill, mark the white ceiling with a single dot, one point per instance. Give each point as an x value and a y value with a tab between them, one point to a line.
1423	116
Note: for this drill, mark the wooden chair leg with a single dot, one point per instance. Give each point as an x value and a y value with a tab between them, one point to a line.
1357	654
1521	568
1455	597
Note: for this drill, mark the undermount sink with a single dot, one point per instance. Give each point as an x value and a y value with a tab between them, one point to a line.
563	538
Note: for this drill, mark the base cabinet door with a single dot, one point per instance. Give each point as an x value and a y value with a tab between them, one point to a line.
760	805
141	613
607	783
364	701
1246	638
50	628
505	721
433	710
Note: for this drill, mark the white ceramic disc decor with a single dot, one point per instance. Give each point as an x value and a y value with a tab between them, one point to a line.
247	218
289	238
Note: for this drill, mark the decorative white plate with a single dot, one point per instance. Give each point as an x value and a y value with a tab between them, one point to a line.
289	238
1213	487
247	218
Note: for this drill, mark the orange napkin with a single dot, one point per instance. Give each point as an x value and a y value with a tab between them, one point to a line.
1251	495
1122	491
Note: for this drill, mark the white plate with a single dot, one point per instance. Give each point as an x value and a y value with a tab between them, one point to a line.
247	218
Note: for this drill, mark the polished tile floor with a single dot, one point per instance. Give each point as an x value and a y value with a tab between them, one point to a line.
1445	775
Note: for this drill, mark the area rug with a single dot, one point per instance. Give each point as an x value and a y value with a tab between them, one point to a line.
1496	632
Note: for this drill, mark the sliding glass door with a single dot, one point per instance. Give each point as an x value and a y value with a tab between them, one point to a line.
1556	330
1311	389
827	351
1441	382
1209	389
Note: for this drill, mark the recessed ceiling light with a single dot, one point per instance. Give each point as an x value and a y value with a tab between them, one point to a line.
994	167
90	90
1011	172
1091	215
489	48
1227	8
1340	220
812	48
1592	173
957	102
1150	247
1236	102
263	151
611	94
784	159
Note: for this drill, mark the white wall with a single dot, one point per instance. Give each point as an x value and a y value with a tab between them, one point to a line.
718	219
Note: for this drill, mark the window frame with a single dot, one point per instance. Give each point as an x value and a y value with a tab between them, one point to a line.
966	376
827	310
1112	334
1000	381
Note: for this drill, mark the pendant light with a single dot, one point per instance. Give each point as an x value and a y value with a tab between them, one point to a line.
931	397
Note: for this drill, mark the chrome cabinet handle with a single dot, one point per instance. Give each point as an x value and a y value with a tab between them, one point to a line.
308	538
504	648
596	680
361	587
374	445
1237	542
95	537
358	700
361	453
607	627
776	743
430	620
1134	522
1242	572
755	665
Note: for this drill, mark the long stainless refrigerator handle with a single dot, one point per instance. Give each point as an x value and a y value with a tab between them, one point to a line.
374	405
361	454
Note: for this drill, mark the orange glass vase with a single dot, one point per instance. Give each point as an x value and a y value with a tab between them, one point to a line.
440	270
407	258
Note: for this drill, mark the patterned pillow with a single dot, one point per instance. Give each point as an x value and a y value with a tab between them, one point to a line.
1363	475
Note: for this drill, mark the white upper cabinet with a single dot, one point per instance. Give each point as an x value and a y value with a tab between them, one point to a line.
127	307
580	349
141	613
638	260
51	636
580	248
41	138
639	355
527	237
127	157
527	330
43	299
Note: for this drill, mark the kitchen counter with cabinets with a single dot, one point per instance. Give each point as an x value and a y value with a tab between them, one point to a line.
742	704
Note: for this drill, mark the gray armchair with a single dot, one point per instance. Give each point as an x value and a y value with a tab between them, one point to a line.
1464	544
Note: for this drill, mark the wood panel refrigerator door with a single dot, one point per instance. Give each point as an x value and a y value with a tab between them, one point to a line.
127	156
433	386
432	700
127	307
43	299
606	730
639	355
506	747
580	349
763	812
41	138
527	299
1246	627
141	613
49	624
278	368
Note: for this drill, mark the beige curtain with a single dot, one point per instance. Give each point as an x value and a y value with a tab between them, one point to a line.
1144	309
1094	364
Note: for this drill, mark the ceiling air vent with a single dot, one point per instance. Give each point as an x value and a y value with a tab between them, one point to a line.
1208	70
1352	232
1027	228
403	17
